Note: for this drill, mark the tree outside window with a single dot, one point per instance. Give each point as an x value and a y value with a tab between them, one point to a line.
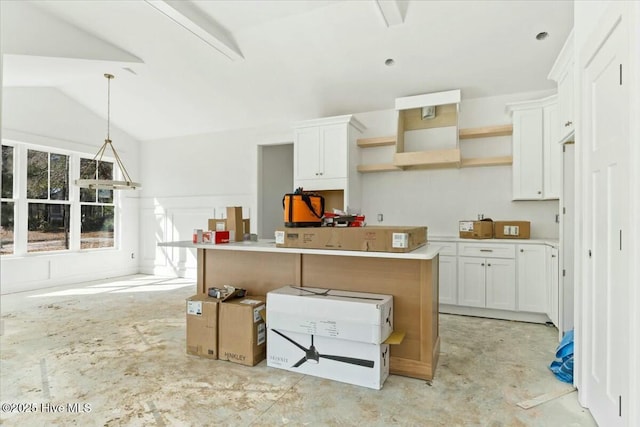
97	208
7	204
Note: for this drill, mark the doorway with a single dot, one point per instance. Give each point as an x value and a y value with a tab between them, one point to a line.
275	179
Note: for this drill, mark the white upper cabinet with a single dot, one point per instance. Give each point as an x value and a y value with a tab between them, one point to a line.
537	160
562	73
326	156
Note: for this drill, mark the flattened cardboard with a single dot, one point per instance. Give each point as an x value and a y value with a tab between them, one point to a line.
234	222
202	326
369	238
351	362
354	316
242	331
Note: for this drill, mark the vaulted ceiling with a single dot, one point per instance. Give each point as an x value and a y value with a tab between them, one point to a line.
192	67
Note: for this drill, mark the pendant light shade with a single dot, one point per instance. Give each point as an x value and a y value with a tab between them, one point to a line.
108	184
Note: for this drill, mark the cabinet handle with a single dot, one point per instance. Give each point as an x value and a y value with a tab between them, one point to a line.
569	123
521	250
489	265
486	250
553	256
482	265
539	192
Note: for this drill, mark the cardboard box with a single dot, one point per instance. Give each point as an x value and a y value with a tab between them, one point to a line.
369	238
476	229
220	224
511	229
234	222
215	237
242	331
354	316
202	326
351	362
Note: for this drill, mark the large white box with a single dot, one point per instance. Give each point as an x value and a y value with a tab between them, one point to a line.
353	316
352	362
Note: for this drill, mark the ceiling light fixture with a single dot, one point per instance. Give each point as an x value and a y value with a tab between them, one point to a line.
108	184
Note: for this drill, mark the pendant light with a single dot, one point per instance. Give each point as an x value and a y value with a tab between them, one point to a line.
108	184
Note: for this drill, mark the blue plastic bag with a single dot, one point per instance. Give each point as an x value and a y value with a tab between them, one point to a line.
562	367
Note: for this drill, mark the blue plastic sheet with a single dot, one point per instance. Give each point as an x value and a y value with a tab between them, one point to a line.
562	367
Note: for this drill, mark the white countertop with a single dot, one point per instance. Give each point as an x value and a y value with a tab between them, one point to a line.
543	241
268	245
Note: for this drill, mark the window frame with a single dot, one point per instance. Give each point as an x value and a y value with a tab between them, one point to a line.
21	203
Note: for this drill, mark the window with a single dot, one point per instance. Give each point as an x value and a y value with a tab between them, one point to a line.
96	207
7	204
49	210
42	211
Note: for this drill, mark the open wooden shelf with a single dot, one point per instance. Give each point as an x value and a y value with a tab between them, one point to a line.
376	142
485	132
379	167
450	157
486	161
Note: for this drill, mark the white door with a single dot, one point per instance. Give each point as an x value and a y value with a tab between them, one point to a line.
527	154
606	221
501	284
447	277
471	275
334	156
567	300
307	153
532	279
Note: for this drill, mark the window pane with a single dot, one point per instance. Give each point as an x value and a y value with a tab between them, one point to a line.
6	227
87	171
59	189
7	171
37	174
105	171
48	227
97	227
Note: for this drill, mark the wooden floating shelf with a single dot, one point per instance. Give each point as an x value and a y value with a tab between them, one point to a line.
428	158
377	142
380	167
485	132
486	161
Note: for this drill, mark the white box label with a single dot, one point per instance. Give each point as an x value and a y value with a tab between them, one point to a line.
194	308
511	230
256	314
262	333
400	240
466	225
280	237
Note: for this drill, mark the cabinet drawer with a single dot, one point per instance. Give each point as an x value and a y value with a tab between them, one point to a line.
446	247
487	250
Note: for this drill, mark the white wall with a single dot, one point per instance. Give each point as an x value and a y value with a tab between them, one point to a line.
191	179
439	198
47	117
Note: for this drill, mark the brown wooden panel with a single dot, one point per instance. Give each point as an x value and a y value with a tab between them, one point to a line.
257	272
398	277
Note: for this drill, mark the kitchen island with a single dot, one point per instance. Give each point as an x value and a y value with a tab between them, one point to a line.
412	279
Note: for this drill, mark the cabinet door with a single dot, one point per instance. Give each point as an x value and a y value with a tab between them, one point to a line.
532	279
307	153
565	103
333	151
553	287
448	283
501	284
552	153
527	154
471	284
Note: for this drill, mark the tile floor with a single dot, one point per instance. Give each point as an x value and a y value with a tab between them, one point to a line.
116	348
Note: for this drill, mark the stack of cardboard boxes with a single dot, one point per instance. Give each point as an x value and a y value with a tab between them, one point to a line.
233	223
232	330
333	334
488	229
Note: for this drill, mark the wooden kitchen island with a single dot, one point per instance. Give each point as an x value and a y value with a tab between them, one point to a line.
412	279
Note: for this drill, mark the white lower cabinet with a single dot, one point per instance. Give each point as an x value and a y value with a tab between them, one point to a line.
517	281
532	279
487	283
448	286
